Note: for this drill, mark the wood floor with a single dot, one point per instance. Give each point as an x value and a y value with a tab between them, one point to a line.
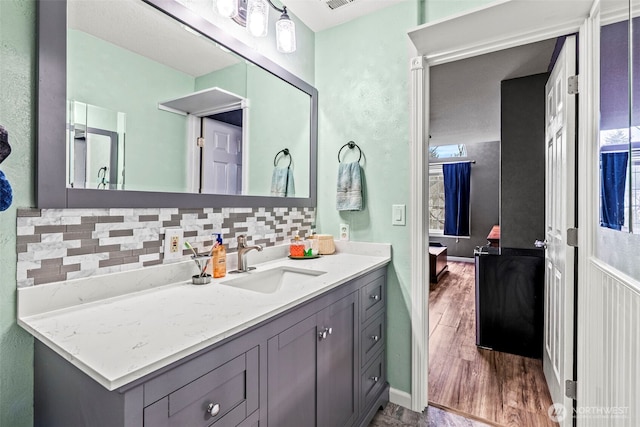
500	388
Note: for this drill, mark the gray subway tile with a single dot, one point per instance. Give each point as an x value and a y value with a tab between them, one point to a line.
190	233
149	263
49	279
120	233
110	262
148	218
131	260
119	254
81	250
89	242
69	268
23	240
73	228
43	272
51	262
29	213
108	248
20	249
88	219
171	223
108	218
152	244
76	235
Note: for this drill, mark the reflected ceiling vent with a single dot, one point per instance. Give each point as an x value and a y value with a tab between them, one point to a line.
334	4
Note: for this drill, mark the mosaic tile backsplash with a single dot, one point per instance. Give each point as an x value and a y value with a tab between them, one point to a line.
60	244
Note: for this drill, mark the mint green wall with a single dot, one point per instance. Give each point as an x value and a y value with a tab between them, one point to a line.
232	79
438	9
362	76
278	118
102	74
17	104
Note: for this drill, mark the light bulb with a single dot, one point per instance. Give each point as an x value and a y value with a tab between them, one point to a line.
226	8
257	17
285	34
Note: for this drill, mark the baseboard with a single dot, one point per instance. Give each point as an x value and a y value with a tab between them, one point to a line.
459	259
400	397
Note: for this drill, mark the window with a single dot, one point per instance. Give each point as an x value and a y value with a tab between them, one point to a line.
436	200
437	205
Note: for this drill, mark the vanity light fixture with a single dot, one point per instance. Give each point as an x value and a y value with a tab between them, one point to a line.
256	18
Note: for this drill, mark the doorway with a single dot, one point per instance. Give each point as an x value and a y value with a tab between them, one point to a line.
486	29
485	339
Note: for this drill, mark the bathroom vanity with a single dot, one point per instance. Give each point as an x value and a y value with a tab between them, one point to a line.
126	350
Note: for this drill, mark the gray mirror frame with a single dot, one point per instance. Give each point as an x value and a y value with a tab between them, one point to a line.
51	189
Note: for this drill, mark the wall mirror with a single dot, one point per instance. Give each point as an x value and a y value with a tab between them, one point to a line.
148	104
619	153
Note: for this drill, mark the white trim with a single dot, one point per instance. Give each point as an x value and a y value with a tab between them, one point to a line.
502	38
400	397
419	242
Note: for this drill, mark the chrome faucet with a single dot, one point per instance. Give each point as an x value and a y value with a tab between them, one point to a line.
242	253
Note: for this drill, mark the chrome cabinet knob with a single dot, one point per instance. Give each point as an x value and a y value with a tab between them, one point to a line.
540	244
375	337
325	333
375	297
213	409
375	379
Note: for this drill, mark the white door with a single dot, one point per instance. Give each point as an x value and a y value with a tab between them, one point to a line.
221	158
559	216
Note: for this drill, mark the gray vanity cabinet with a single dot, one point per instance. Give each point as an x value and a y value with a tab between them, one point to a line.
312	369
318	364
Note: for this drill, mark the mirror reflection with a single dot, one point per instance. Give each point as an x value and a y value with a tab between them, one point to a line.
619	118
155	106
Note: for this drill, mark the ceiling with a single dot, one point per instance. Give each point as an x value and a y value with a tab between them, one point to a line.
318	16
148	32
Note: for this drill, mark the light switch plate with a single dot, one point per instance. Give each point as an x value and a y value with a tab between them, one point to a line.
344	232
398	215
173	243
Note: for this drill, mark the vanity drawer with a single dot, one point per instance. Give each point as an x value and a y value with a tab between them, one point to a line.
372	338
372	298
231	390
372	381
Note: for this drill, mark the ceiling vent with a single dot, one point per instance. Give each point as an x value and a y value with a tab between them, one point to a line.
334	4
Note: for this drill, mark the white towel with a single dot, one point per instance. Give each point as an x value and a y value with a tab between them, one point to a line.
282	183
349	188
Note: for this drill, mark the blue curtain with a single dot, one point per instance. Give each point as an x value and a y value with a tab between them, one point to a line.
457	192
613	178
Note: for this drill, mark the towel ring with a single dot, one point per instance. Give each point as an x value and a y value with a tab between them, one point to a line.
351	145
286	153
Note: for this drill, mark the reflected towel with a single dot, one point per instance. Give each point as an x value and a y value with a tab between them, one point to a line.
282	183
349	189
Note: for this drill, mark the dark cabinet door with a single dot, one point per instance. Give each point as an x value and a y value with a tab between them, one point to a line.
291	376
312	370
337	364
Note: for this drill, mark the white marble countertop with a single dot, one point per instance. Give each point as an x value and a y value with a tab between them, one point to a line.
120	327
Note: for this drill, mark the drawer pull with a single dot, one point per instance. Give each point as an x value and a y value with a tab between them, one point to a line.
375	297
375	338
213	409
375	379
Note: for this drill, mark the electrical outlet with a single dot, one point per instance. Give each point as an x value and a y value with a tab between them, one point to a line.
173	241
344	231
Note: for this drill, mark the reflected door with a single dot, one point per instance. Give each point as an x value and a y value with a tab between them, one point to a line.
559	216
221	158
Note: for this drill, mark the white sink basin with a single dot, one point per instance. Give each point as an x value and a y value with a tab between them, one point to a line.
270	281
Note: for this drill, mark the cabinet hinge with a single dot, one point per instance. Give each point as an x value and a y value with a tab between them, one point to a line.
571	389
572	237
200	142
572	85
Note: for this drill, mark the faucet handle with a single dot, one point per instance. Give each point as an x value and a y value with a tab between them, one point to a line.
241	240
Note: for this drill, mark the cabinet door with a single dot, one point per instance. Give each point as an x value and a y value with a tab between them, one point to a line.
291	389
337	364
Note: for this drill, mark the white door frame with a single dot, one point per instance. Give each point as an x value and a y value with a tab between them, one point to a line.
504	35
